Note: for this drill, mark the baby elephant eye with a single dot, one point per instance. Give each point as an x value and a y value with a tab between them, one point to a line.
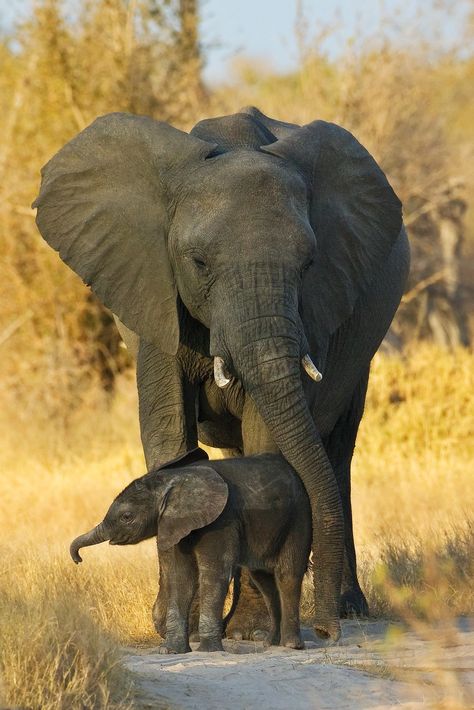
127	516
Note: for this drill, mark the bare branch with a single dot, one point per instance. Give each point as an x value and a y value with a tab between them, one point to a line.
423	285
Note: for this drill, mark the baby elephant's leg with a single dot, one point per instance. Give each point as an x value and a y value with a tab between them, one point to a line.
265	583
160	607
214	578
182	582
289	588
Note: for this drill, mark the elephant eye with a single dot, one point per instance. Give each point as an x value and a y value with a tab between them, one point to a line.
127	516
306	266
199	263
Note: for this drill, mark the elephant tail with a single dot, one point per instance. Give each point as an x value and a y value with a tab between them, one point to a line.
235	600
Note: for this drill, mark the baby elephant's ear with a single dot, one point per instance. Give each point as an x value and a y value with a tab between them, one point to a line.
193	499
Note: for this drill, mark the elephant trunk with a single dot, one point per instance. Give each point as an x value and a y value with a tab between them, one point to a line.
283	408
266	352
93	537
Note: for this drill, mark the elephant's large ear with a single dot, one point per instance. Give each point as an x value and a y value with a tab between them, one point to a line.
355	214
103	206
193	499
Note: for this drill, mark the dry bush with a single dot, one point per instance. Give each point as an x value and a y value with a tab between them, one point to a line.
412	499
53	654
61	626
416	435
61	69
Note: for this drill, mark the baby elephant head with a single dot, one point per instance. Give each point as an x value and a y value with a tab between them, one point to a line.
168	503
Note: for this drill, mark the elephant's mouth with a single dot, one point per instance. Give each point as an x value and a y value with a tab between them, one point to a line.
122	541
131	538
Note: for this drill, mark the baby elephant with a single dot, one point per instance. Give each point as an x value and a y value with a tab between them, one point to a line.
211	518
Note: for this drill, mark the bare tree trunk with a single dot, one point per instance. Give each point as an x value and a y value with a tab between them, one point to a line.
190	51
448	320
434	307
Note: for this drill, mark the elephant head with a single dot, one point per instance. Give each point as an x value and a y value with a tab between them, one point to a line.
169	504
257	227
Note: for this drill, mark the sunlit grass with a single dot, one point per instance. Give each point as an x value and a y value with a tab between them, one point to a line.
56	648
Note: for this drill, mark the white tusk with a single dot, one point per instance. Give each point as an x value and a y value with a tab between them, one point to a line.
311	369
220	375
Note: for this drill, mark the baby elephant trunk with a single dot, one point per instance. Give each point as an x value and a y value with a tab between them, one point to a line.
93	537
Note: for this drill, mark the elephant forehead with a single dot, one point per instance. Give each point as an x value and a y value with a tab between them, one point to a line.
231	196
256	176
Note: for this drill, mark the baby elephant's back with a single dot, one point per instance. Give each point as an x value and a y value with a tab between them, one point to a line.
270	500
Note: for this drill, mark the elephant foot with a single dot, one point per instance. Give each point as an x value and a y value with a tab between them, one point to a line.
259	635
295	641
234	635
248	632
178	647
354	603
272	638
251	620
210	645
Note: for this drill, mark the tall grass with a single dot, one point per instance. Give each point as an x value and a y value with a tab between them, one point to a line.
53	652
62	626
412	497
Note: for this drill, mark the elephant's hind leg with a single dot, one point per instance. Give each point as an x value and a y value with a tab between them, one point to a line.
265	582
250	620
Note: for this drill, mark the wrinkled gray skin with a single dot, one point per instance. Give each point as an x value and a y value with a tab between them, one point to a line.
258	242
210	518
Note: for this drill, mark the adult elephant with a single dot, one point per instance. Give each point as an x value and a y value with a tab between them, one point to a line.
258	245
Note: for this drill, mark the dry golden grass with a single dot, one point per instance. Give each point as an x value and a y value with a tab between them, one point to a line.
54	654
62	626
412	487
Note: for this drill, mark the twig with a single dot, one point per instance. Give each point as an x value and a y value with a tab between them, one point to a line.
14	326
20	209
422	285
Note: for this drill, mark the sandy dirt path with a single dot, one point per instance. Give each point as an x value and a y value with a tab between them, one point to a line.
375	665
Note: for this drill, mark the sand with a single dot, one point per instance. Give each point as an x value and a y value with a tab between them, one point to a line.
376	664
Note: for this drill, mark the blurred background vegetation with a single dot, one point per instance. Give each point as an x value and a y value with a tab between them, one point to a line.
408	99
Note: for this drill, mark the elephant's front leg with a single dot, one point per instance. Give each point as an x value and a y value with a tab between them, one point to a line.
182	580
214	577
340	447
353	601
160	607
167	406
168	429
